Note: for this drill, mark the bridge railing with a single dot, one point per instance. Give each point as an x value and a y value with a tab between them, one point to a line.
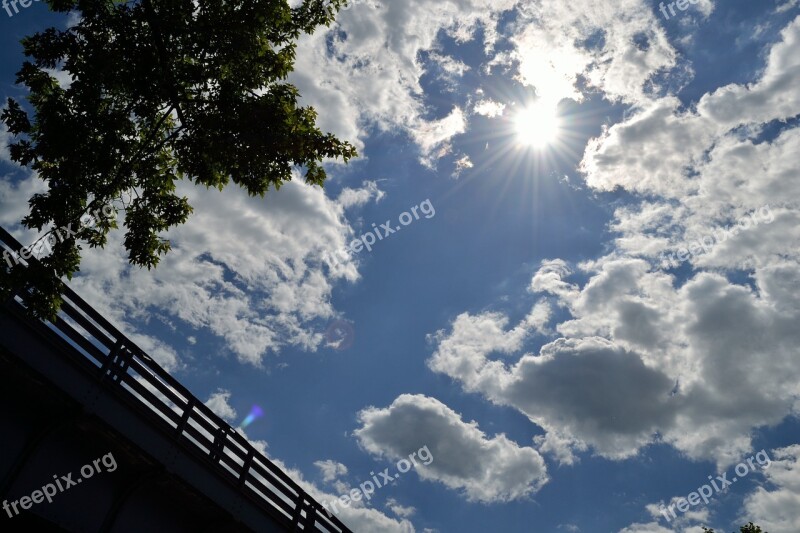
145	386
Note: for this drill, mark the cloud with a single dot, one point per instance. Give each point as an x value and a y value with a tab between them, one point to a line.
250	271
555	44
464	458
400	510
651	527
640	361
451	69
661	148
774	505
689	522
777	508
357	516
219	404
14	196
359	197
433	137
489	108
331	470
462	164
643	358
365	71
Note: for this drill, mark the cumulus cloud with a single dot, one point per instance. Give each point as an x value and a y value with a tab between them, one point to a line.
400	510
661	148
774	504
640	361
651	527
368	191
249	270
489	108
616	46
433	137
219	403
358	517
485	469
366	70
643	358
776	507
331	470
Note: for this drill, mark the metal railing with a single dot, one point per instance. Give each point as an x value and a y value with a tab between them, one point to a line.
135	378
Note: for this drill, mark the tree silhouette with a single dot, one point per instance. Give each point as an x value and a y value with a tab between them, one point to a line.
161	91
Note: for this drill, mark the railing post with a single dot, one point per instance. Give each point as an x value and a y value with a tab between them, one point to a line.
218	448
112	354
246	467
303	504
117	362
311	518
187	413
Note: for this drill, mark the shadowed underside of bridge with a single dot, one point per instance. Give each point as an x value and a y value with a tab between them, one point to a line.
76	390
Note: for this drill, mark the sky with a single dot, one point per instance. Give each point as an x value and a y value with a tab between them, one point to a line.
581	308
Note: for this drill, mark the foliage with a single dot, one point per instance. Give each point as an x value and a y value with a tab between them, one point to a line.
160	91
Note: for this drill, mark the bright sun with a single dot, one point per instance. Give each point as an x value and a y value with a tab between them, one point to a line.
537	126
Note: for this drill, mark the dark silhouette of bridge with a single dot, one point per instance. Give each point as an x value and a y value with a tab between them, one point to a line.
76	390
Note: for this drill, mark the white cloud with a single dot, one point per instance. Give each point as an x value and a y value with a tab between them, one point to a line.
464	458
433	137
357	516
657	149
248	270
366	70
777	508
651	527
219	403
462	164
451	69
641	361
359	197
689	522
556	43
331	470
14	196
489	108
400	510
774	505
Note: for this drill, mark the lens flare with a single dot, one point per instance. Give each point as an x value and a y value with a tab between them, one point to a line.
255	413
340	335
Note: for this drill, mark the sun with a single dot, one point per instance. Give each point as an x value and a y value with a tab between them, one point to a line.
537	125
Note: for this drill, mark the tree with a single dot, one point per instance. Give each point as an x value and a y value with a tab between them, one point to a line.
749	528
161	91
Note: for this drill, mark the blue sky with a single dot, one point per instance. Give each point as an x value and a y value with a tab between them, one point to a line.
531	333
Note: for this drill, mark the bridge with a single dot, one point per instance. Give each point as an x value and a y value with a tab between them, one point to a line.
96	436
